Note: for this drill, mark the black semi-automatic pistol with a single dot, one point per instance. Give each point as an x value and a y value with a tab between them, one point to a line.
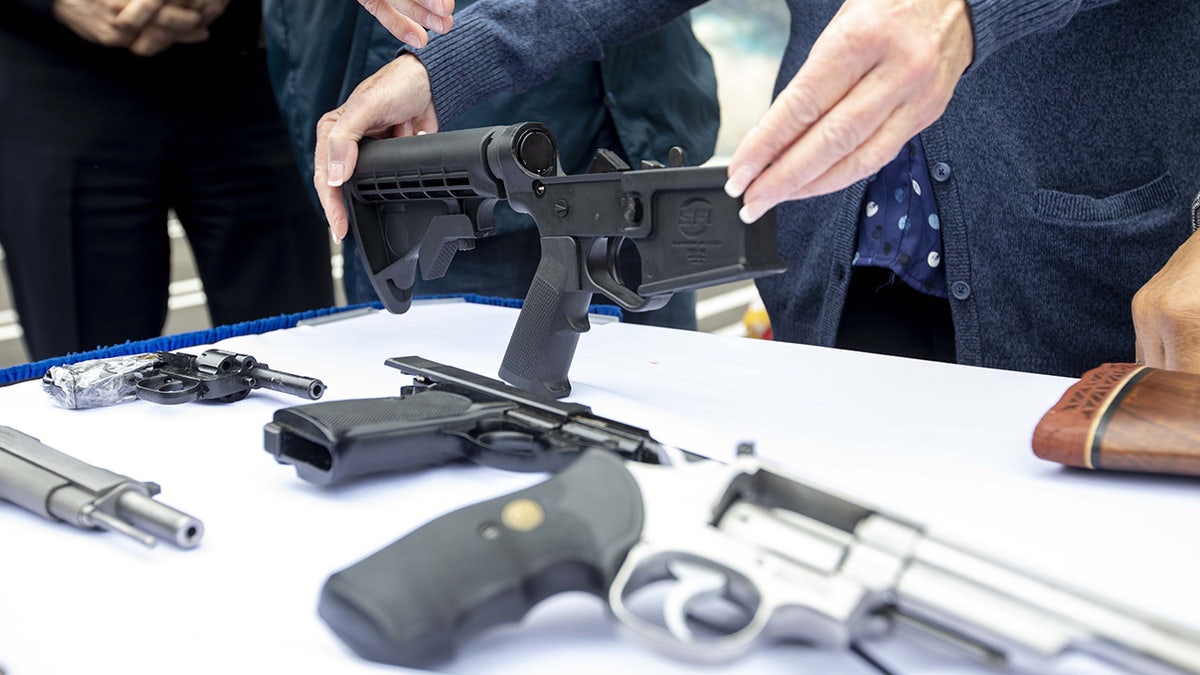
447	414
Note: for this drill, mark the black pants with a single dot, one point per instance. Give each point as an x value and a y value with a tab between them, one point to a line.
92	160
884	315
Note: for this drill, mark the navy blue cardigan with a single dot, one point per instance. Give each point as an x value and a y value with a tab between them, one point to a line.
1063	166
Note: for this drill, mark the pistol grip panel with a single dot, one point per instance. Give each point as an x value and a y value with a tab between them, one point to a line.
334	441
543	342
412	603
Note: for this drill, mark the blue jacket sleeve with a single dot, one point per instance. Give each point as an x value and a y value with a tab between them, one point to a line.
1000	22
514	44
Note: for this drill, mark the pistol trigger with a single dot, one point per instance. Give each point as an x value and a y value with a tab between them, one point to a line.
695	583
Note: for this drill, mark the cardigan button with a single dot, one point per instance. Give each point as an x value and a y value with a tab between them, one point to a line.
941	172
961	290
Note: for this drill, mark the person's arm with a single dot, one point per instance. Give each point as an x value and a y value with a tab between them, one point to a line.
869	85
1166	313
511	45
491	49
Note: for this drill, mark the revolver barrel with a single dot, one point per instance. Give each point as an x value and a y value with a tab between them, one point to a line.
56	486
891	568
287	383
1027	623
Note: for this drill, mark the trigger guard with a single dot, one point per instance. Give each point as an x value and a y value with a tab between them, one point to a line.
642	569
600	270
166	389
695	583
511	450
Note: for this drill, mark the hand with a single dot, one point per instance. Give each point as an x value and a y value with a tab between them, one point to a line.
395	101
408	19
171	21
880	72
145	27
1166	313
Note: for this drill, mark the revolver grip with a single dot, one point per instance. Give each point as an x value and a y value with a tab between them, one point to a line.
543	342
413	602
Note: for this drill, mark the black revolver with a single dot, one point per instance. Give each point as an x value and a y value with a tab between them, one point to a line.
170	378
447	414
423	198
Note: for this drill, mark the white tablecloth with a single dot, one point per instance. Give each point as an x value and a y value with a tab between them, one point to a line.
942	444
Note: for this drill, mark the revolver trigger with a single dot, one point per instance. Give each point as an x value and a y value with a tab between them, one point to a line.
696	582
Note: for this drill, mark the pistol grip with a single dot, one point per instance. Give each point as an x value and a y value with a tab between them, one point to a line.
330	442
413	602
543	342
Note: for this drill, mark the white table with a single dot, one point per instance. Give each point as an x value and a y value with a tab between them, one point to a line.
951	451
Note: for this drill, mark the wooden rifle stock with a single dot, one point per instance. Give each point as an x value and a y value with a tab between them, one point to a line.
1125	417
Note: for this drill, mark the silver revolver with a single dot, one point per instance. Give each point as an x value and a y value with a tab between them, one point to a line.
706	560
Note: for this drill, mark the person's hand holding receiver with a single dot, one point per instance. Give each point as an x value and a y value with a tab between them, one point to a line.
395	101
880	72
1166	313
407	20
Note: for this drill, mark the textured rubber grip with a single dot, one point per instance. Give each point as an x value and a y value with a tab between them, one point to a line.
331	442
414	602
543	342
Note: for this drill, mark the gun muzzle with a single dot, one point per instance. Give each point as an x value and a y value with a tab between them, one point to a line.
287	383
56	486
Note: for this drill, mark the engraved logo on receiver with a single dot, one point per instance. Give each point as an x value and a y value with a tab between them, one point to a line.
695	217
694	220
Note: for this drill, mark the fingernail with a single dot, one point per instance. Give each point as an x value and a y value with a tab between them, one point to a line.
337	174
736	185
434	23
745	214
333	235
412	40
